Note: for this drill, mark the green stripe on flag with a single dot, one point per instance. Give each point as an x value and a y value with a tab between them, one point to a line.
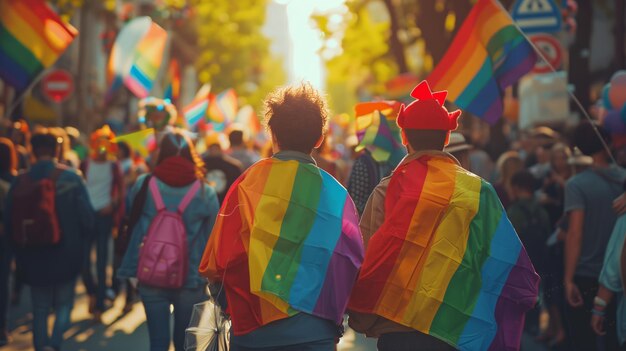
464	287
297	223
19	53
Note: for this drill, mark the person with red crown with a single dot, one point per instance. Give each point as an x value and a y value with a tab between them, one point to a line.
444	268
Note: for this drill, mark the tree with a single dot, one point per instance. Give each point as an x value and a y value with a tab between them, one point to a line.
232	50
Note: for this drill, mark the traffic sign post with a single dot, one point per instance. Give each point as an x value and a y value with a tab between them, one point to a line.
58	85
537	16
551	49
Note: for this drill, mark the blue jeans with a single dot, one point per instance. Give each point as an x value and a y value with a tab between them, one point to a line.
157	303
103	228
59	296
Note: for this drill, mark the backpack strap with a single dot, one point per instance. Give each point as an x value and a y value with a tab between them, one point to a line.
156	195
188	197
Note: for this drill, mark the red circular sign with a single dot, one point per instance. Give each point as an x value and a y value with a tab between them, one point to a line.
552	51
57	85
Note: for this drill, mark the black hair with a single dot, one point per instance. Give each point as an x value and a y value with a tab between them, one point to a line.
44	143
524	180
586	139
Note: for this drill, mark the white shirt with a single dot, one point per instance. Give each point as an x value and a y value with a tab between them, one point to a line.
99	183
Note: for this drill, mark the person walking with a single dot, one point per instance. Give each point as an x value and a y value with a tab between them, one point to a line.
588	205
444	268
286	246
49	217
106	192
177	210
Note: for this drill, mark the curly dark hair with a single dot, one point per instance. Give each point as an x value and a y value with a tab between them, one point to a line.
297	116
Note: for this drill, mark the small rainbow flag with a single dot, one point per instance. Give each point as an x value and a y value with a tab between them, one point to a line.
32	37
136	57
223	109
488	54
142	141
289	234
195	111
377	131
146	62
172	90
375	135
249	120
446	261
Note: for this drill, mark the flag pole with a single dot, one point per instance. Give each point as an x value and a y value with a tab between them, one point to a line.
571	95
20	97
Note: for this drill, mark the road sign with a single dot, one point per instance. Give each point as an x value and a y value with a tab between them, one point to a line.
537	16
57	85
552	51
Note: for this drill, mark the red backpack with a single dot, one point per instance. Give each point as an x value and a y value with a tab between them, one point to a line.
163	256
33	215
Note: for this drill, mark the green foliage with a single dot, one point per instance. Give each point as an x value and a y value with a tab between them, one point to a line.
364	63
233	52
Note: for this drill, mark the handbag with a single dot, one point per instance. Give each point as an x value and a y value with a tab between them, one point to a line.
209	327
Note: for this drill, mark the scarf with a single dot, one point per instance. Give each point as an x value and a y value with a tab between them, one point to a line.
176	171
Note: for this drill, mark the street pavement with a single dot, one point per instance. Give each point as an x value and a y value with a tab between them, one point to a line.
129	331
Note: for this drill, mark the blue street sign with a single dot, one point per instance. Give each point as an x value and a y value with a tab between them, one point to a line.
537	16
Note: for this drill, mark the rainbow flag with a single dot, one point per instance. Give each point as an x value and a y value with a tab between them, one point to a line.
136	57
172	90
195	111
142	141
32	37
222	109
288	238
377	131
249	121
146	61
488	54
375	134
446	261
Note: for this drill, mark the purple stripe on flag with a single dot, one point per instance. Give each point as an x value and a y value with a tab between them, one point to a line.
343	268
494	112
512	76
514	301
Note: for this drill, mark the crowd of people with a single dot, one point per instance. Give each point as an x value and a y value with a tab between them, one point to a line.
277	226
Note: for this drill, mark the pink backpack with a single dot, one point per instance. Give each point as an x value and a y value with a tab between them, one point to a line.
163	256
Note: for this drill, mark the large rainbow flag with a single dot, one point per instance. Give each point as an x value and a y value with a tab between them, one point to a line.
447	261
286	240
32	37
488	54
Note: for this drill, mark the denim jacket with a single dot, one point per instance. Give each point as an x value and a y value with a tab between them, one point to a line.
199	218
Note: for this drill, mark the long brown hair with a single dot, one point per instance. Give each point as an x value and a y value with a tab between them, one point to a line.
176	143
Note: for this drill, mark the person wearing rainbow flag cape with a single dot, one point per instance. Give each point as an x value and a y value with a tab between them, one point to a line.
444	268
286	245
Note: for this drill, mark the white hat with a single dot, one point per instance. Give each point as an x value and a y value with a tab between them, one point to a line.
457	143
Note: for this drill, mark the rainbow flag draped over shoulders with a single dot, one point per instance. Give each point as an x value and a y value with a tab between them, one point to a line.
32	38
286	241
488	54
447	261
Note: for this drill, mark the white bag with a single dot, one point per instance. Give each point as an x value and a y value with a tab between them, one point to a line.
209	327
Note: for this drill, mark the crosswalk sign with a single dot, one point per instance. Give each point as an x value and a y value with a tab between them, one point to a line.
537	16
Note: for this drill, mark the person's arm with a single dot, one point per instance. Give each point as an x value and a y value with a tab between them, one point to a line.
602	299
573	243
374	212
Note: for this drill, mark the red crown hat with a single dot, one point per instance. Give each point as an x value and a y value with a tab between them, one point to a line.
427	111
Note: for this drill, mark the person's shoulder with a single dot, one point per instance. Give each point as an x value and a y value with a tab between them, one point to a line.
67	173
233	162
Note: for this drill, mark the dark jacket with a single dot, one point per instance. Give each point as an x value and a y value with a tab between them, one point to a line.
63	262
